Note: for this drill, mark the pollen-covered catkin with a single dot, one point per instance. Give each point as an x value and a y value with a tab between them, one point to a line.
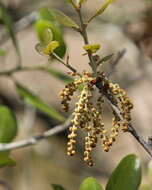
88	114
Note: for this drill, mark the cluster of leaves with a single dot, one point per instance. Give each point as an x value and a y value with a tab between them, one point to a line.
126	176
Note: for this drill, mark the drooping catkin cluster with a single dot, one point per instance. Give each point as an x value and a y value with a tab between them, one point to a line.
88	114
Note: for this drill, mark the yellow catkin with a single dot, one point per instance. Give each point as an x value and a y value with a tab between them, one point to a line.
88	113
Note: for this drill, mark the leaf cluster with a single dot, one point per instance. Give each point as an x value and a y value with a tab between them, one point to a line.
126	176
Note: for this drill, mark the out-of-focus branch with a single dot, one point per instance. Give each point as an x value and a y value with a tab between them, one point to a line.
20	25
34	140
146	145
116	61
5	185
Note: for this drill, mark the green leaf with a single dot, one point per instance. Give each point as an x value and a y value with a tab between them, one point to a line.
101	10
8	125
44	14
127	175
60	76
6	161
93	48
2	52
51	47
57	187
41	26
90	184
9	25
38	103
106	58
63	19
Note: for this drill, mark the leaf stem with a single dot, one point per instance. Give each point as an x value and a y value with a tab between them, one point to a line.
67	65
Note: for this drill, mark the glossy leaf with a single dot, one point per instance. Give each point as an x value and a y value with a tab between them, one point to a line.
41	26
9	25
6	161
38	103
93	48
101	10
50	48
57	187
90	183
106	58
127	175
8	125
2	52
63	19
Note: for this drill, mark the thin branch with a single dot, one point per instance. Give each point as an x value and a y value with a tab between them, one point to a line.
34	140
116	61
131	129
65	64
5	185
86	41
20	25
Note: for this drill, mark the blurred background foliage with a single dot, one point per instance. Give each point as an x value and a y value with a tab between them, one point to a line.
125	25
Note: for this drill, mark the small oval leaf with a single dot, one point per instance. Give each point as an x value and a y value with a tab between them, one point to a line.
90	184
51	47
8	125
127	175
63	19
41	26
